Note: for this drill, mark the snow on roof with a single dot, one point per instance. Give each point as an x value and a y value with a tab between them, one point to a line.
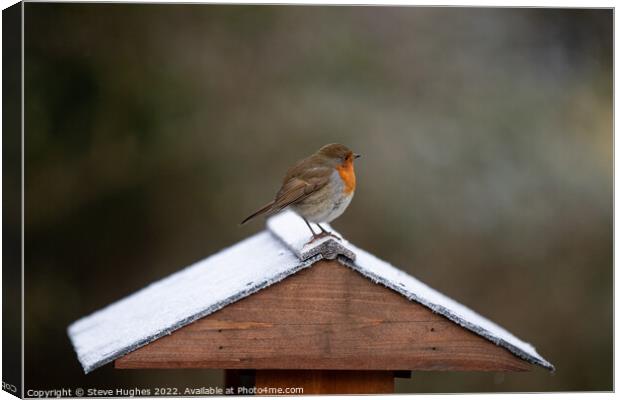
245	268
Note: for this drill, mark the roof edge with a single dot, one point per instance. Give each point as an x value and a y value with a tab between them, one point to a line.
449	315
208	311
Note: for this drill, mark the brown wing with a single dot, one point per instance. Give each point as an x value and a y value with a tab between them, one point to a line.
303	179
293	191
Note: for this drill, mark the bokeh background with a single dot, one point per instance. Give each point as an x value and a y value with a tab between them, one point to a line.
152	130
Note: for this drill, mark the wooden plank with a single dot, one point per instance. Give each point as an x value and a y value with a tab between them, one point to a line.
324	317
288	382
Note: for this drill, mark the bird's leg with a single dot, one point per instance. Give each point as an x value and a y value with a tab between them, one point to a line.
322	229
314	235
325	232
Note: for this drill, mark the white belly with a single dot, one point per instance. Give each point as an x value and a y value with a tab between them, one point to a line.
339	208
327	204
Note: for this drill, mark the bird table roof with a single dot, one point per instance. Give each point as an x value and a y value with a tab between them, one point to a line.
245	268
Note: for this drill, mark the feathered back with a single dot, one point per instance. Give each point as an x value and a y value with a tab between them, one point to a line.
305	177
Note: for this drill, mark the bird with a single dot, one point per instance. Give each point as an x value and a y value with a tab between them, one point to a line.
319	188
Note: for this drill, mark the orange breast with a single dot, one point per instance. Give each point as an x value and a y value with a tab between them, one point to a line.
347	173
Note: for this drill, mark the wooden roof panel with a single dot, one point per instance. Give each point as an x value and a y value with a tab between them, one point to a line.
247	268
325	317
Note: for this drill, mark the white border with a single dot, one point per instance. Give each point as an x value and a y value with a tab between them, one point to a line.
542	3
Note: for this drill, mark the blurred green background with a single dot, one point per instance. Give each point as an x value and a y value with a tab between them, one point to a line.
152	130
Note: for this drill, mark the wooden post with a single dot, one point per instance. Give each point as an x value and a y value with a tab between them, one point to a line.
325	381
291	382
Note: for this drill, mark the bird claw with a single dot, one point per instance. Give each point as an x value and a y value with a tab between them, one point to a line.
321	236
334	236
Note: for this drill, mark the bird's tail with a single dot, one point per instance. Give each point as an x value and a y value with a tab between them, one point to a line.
265	209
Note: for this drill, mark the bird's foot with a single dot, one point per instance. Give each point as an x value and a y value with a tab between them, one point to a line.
322	235
334	236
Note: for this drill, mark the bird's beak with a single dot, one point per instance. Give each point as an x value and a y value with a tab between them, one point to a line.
356	155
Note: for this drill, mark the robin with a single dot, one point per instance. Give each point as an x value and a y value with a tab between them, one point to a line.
319	188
